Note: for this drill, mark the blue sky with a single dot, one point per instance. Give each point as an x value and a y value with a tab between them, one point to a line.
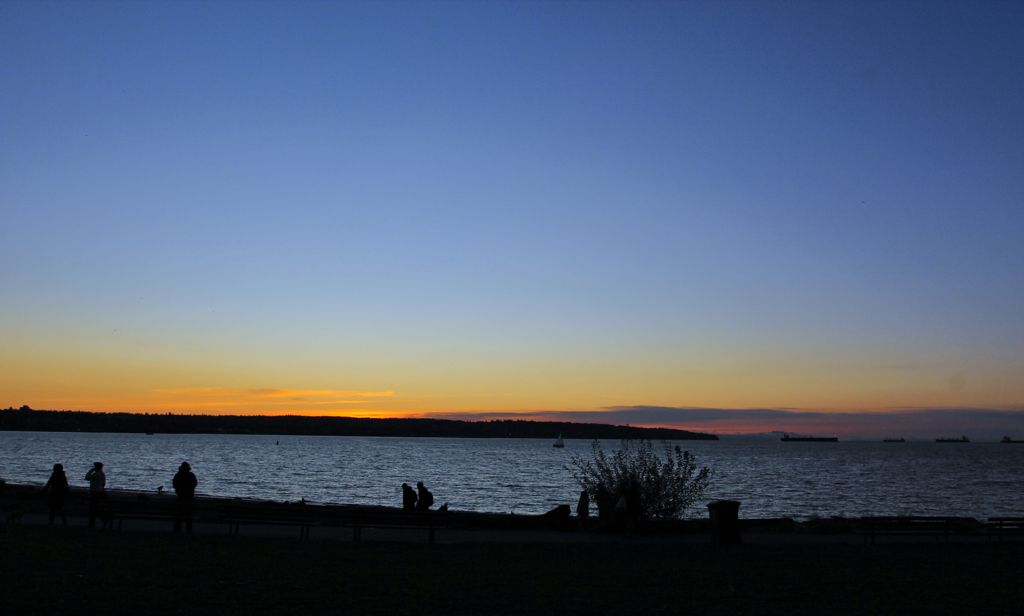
513	207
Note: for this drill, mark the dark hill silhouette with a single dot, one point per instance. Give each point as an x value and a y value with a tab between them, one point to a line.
26	419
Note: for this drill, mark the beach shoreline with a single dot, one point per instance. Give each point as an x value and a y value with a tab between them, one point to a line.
330	522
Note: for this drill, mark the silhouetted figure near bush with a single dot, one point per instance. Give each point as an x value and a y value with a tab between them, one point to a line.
426	499
632	499
583	510
185	487
97	492
408	497
58	487
605	503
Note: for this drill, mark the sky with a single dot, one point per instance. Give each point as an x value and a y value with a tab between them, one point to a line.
718	216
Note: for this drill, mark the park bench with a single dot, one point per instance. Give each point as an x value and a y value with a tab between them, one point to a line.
912	525
1004	526
267	514
386	519
118	511
426	520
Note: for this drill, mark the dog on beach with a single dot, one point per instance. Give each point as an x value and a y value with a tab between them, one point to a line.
14	516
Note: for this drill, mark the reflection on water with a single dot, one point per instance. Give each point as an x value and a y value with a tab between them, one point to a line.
770	478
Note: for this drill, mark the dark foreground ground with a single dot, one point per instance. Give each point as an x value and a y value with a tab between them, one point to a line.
80	571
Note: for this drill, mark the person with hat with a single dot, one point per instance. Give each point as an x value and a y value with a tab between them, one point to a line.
97	493
185	487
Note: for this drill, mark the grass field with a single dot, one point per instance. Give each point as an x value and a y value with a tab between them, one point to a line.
77	571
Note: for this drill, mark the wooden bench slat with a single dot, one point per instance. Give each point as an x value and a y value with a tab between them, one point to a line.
120	511
386	520
911	525
274	515
1004	526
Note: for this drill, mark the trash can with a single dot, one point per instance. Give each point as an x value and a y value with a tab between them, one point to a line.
725	521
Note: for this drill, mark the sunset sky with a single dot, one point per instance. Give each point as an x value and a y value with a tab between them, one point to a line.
720	216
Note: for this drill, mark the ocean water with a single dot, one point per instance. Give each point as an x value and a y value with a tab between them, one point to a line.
769	478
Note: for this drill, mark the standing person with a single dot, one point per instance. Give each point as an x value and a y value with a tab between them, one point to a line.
408	497
603	506
583	510
633	513
97	492
185	487
58	487
426	499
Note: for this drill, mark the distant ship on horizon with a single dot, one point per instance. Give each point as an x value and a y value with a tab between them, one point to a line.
962	439
1007	439
810	439
894	440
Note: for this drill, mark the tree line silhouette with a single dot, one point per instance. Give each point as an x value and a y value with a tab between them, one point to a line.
27	419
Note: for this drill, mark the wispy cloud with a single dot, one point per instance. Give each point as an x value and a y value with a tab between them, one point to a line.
270	394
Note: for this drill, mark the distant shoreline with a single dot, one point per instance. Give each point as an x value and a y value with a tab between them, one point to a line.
26	419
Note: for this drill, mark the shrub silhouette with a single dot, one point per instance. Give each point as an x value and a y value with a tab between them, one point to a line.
666	487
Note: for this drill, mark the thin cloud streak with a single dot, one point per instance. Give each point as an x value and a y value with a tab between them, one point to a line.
272	393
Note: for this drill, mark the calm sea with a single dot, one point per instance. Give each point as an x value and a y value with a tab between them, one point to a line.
770	478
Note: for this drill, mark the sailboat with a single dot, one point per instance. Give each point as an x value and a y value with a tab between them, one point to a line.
558	442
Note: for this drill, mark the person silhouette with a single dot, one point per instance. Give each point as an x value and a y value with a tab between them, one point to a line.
631	497
58	487
185	487
605	503
583	509
426	499
408	497
97	492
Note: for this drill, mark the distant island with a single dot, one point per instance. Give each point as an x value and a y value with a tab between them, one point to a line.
27	419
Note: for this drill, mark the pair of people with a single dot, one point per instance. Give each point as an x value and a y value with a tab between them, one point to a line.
626	510
419	499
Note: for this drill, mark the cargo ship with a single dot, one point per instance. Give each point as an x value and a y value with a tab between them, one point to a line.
810	439
1007	439
962	439
894	440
